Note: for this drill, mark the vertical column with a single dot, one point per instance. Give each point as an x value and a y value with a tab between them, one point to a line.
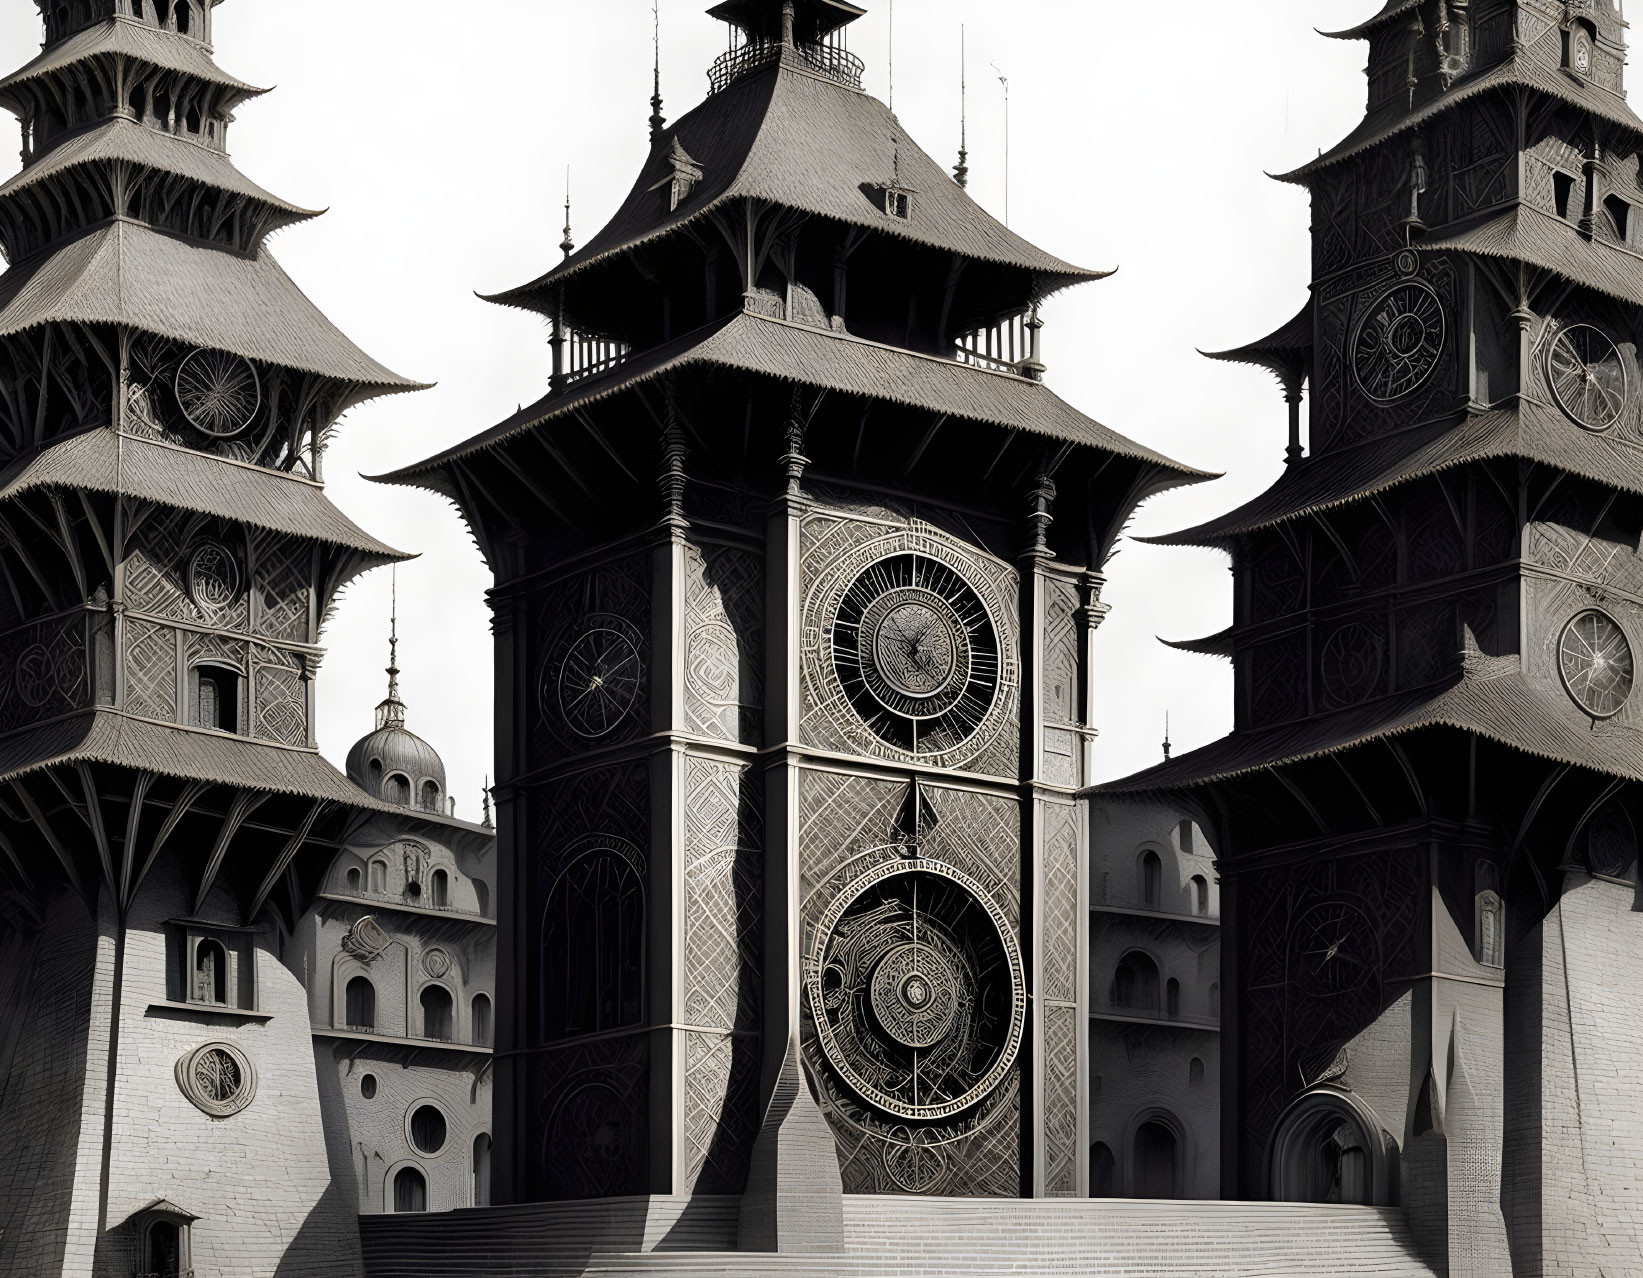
665	896
1040	500
512	1124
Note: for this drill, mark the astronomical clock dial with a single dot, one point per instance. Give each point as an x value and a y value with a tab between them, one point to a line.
219	393
915	986
1398	342
1588	377
596	680
1595	659
1330	947
916	652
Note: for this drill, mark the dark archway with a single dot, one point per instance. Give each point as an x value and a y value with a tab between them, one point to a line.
1156	1167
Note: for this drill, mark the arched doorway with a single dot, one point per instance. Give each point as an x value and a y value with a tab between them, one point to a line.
1327	1149
1103	1171
1157	1161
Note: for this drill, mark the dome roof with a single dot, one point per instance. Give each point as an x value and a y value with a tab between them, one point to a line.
377	761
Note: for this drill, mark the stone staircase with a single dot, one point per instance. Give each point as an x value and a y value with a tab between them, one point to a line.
896	1237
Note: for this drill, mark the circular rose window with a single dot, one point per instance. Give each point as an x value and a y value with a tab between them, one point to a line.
218	1078
1595	660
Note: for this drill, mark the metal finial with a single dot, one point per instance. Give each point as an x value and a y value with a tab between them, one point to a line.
961	170
486	800
567	245
658	121
1167	746
391	713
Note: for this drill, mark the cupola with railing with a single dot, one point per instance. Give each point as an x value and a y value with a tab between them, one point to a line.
66	18
807	34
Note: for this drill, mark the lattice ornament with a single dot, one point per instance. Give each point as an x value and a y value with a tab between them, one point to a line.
1062	1148
44	671
151	670
724	642
284	588
723	895
1059	922
721	1110
281	698
1278	680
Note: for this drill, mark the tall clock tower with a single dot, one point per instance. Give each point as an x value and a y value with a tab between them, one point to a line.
798	566
1426	815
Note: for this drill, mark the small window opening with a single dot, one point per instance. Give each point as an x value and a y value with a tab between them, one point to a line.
1152	881
162	11
482	1170
898	204
428	1130
368	1086
137	8
162	108
410	1191
360	1004
1195	1073
1172	999
397	789
1186	837
436	1013
210	973
1563	189
379	876
482	1020
441	890
1135	983
353	879
184	20
194	119
165	1251
430	796
139	102
216	699
1619	215
1200	895
483	893
1103	1170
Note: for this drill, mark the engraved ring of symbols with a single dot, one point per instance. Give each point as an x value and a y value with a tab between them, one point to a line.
918	652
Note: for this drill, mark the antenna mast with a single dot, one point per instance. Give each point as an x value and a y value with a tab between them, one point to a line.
567	245
658	121
961	170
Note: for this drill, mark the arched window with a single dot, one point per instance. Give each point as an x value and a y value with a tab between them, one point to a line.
1172	998
137	9
216	698
1184	833
436	1013
1195	1072
410	1190
1200	895
353	879
162	11
429	1130
164	1245
360	1004
1489	918
368	1086
162	108
1325	1151
139	102
593	945
210	972
482	1170
482	892
1135	983
482	1019
441	890
1152	881
1102	1168
1156	1158
379	876
183	16
396	788
1215	998
430	796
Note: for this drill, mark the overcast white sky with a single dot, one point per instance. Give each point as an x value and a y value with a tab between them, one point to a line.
438	135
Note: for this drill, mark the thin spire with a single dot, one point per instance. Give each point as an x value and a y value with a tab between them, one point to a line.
891	58
1005	81
1167	746
486	798
567	245
961	170
391	713
658	121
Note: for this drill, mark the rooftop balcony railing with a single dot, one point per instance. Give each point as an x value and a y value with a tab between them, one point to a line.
830	61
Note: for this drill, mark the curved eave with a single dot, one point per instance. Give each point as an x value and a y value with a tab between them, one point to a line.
124	141
1520	72
1390	11
819	358
128	38
125	273
1216	645
791	139
1286	353
1526	234
1493	700
1527	430
105	461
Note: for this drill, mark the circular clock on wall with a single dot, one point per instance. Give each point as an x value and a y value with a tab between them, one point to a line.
915	986
1595	659
1398	342
219	393
1331	945
1587	376
597	679
916	652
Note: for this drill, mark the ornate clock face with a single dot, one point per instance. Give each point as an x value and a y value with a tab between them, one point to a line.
1595	660
1330	948
915	985
1398	342
1588	377
916	652
219	393
597	680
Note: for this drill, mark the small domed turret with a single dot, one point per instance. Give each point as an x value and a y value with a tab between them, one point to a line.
394	764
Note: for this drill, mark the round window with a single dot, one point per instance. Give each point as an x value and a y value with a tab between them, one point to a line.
1595	660
368	1086
218	1078
428	1129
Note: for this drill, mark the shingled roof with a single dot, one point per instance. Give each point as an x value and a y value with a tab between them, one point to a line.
804	142
125	273
129	38
799	353
1524	233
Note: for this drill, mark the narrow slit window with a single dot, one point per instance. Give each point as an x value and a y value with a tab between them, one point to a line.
1620	216
1563	189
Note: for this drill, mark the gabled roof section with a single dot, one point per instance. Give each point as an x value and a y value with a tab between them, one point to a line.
799	141
125	273
798	353
1390	10
1519	71
1286	353
105	461
126	37
1524	233
1492	699
1524	429
128	142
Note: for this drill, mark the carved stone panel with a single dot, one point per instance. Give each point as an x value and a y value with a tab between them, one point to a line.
724	840
721	1110
724	642
1061	664
592	1129
43	671
279	697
